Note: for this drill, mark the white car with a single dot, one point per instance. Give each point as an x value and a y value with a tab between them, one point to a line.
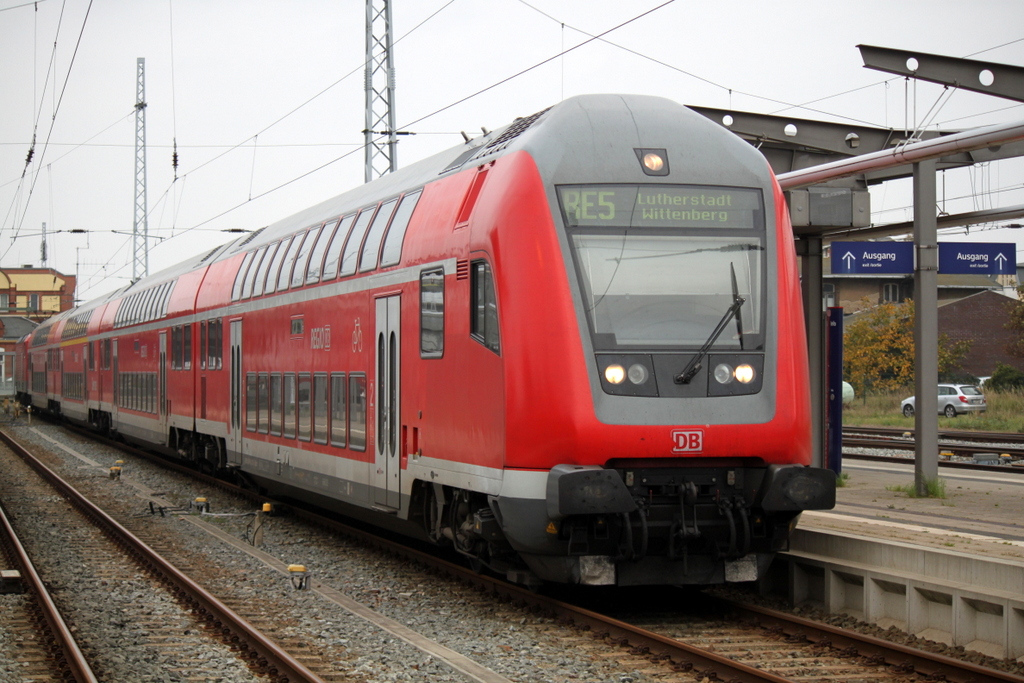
954	399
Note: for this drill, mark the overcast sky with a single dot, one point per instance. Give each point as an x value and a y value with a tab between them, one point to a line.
259	95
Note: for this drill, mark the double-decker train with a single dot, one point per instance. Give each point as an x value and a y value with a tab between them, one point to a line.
572	349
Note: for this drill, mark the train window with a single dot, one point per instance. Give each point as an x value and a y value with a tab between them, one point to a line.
302	257
357	412
285	276
91	356
275	265
305	407
250	401
316	256
202	345
130	312
338	414
261	274
187	358
355	240
176	348
148	306
141	306
432	313
320	408
106	354
335	247
263	391
250	278
371	249
165	298
289	405
236	290
483	324
275	404
216	345
392	252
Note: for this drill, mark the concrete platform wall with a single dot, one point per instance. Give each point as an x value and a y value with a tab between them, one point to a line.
950	597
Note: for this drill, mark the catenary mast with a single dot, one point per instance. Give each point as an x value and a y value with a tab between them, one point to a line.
381	154
140	228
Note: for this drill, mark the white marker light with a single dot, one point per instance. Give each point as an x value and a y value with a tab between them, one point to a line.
637	373
723	373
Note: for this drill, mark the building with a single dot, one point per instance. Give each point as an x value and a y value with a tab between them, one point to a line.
35	293
980	319
12	328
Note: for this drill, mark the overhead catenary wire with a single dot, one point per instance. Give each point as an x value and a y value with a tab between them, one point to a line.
56	109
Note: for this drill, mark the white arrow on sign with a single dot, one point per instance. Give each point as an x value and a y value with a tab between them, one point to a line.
849	258
1001	259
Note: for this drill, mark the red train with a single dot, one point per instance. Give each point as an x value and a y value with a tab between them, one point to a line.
572	349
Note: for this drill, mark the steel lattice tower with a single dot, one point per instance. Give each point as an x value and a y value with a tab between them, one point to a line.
140	229
381	155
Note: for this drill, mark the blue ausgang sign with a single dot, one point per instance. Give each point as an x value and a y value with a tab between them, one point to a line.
981	258
872	258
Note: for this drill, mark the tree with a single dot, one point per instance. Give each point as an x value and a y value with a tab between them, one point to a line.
1005	378
878	350
1015	311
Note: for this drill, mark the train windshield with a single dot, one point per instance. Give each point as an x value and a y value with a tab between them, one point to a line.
669	287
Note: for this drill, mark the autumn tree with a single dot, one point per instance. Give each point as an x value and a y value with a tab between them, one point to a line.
1015	323
878	349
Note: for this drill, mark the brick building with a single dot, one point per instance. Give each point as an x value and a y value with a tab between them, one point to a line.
36	293
981	319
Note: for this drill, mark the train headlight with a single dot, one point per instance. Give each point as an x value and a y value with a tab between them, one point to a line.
735	374
744	373
627	374
723	373
615	373
637	374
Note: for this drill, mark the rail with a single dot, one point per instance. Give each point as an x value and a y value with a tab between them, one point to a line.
281	666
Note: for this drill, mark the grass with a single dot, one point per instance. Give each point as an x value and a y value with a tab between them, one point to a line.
936	488
1005	413
843	479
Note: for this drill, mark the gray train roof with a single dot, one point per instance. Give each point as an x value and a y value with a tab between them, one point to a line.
570	142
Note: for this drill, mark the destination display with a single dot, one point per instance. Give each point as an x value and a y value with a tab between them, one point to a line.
660	206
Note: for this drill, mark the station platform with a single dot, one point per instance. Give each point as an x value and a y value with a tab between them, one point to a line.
982	513
946	569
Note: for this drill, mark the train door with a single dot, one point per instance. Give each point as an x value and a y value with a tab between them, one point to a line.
161	408
117	388
85	376
387	458
235	421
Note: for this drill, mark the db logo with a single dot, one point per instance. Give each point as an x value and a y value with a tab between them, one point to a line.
691	441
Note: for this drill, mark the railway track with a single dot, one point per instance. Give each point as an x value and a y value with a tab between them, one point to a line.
952	443
754	645
94	546
46	648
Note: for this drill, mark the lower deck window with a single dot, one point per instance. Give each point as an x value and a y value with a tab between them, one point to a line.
357	412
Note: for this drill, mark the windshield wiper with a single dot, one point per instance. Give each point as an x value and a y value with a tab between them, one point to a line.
695	365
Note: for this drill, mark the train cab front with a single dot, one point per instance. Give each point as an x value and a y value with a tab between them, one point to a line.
692	467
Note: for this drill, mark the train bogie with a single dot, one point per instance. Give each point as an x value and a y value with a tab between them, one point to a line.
572	350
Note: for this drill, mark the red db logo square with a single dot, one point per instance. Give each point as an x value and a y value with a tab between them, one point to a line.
689	441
